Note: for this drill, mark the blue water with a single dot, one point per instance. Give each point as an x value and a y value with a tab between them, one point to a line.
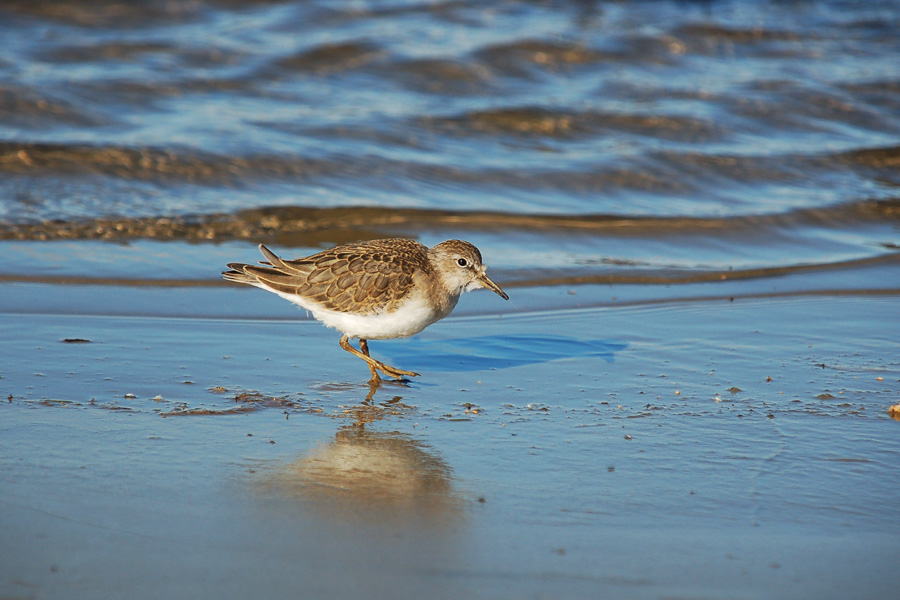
693	207
705	135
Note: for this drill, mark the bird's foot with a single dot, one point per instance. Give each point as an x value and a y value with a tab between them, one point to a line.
390	371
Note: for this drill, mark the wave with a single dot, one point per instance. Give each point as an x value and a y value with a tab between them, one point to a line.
553	278
304	226
539	121
669	170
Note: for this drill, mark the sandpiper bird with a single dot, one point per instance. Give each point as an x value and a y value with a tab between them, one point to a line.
374	290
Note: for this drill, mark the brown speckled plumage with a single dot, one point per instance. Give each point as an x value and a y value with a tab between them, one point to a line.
363	278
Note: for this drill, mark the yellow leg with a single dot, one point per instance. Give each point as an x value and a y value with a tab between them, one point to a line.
364	346
374	365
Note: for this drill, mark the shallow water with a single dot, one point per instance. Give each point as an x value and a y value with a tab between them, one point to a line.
693	207
706	450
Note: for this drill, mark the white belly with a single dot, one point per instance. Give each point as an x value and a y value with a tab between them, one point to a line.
409	319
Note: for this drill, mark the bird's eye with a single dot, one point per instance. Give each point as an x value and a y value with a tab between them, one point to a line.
462	262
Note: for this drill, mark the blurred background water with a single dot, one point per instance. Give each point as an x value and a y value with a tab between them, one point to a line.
577	142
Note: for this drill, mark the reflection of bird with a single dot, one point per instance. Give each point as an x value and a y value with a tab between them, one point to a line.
362	473
380	289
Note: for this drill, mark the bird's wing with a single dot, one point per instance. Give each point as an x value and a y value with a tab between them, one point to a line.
363	278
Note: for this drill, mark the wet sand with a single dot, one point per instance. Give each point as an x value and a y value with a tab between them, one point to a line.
710	448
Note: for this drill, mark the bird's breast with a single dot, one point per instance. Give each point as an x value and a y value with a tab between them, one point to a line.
409	318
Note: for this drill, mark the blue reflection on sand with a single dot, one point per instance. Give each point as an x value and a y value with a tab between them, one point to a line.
491	352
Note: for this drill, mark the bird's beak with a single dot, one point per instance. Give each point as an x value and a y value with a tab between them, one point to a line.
487	283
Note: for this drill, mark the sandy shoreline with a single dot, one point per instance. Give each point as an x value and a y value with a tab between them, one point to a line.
745	446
